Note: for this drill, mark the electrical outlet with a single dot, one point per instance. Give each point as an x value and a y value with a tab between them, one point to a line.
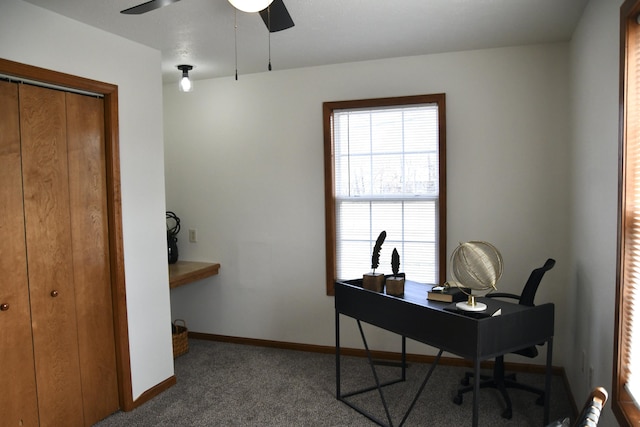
193	235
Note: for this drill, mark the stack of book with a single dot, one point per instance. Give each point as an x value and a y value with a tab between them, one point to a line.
448	294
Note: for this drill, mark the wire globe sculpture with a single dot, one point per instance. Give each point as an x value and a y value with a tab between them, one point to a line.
478	266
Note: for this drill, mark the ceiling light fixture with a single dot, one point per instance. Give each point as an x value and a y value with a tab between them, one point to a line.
185	84
250	6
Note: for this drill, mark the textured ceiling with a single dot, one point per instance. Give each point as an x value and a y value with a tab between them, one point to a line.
201	32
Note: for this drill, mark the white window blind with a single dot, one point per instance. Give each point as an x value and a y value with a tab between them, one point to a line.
631	279
631	284
386	163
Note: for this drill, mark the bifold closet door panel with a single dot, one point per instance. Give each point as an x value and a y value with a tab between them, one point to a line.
49	255
91	266
18	404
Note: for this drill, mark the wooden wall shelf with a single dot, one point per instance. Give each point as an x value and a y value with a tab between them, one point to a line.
185	272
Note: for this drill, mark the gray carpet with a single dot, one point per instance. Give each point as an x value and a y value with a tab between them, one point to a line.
222	384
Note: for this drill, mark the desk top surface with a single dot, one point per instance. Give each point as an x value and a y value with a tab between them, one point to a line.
439	324
416	293
184	272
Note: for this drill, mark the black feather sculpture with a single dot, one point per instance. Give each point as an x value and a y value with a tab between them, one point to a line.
375	258
395	262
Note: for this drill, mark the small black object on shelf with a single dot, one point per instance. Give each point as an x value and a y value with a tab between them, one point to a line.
173	227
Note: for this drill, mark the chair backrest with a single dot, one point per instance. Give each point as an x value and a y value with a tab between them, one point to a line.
592	408
530	288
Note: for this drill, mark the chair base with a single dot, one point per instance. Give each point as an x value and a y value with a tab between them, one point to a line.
501	382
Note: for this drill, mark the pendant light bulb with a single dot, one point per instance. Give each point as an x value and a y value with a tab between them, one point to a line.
250	6
185	84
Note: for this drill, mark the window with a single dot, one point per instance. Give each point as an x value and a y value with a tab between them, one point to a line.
626	369
385	170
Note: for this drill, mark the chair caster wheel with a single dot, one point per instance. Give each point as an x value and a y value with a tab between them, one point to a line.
540	401
507	414
458	399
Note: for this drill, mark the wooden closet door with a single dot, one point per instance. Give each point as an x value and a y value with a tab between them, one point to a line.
18	404
91	267
49	255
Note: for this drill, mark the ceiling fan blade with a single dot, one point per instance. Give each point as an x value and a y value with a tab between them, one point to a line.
279	19
147	7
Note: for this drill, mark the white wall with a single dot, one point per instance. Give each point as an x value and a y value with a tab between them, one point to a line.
594	192
34	36
244	166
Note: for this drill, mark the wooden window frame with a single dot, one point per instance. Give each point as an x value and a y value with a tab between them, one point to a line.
330	216
623	406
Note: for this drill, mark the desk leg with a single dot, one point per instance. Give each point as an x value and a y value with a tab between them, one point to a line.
337	355
378	386
375	374
476	391
424	383
547	382
404	358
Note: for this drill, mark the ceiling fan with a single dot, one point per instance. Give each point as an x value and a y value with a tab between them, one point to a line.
275	16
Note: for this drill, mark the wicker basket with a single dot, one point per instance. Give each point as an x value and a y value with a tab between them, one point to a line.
180	338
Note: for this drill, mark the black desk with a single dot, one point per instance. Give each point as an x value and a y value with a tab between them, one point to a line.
413	316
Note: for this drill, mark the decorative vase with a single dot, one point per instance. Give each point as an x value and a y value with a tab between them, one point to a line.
395	286
373	281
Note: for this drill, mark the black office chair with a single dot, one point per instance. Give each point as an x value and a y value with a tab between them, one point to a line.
499	380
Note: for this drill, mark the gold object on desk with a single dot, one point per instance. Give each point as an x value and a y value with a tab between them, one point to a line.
184	272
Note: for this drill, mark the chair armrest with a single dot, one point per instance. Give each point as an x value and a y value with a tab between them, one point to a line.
502	295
